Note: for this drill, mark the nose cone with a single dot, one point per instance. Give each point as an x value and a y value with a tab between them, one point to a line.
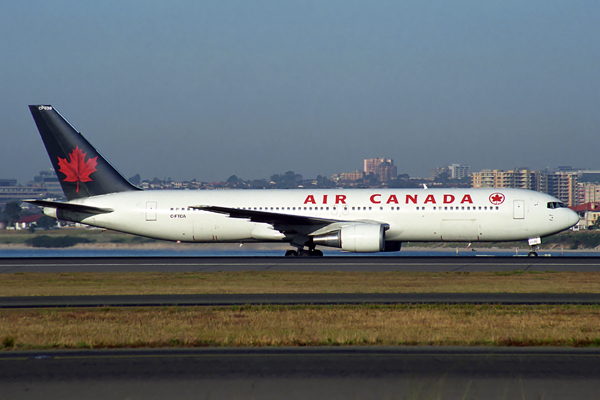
572	218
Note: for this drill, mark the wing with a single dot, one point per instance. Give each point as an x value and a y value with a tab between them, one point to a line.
267	217
287	223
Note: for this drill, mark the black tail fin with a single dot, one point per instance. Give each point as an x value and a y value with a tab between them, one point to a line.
81	169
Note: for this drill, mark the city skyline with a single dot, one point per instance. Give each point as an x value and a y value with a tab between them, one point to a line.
211	89
447	168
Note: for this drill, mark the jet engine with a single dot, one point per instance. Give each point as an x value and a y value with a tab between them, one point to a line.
356	238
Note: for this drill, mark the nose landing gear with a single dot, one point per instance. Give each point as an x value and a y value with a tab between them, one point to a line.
533	246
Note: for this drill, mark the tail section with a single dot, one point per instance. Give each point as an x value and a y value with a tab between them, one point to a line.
81	169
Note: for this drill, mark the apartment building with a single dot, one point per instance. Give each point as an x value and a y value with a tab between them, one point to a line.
562	185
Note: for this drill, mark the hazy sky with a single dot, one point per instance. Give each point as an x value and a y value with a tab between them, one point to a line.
207	89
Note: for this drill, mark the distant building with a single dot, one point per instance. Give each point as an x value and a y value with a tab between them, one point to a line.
48	180
458	171
454	171
521	178
27	221
383	168
588	192
8	182
562	185
588	214
434	173
10	191
351	176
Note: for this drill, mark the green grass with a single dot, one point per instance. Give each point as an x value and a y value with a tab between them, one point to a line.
382	325
138	283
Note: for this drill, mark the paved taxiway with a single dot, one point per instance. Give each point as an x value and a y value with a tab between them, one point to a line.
300	373
188	300
323	264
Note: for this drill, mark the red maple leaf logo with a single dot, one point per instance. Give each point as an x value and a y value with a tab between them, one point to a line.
496	198
77	169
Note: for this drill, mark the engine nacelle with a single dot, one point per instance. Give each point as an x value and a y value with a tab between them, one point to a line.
357	238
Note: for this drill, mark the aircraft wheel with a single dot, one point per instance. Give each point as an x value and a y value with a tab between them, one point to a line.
532	254
305	253
291	253
316	253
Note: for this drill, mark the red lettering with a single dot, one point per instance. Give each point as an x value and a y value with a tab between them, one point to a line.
392	199
310	199
430	199
412	198
373	199
466	199
340	199
324	199
448	198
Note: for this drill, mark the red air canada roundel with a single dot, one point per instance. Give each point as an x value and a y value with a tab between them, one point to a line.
497	198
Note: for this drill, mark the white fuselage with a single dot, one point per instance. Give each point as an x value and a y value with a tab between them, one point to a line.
412	214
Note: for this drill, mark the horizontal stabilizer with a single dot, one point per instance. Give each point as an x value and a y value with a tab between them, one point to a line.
79	208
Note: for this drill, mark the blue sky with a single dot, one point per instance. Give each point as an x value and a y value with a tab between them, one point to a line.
207	89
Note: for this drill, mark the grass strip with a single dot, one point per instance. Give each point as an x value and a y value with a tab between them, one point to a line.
435	325
106	283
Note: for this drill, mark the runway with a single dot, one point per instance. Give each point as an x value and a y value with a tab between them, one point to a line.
300	373
319	264
195	300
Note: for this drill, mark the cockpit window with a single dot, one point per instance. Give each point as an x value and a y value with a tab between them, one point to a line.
555	204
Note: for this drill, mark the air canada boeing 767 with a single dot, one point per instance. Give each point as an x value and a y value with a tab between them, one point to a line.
355	220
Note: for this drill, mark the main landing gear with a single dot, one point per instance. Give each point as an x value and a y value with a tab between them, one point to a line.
301	242
533	246
304	253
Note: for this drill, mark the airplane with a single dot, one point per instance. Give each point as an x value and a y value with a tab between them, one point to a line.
353	220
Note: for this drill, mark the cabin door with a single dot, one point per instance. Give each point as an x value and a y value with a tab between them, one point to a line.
519	209
151	211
